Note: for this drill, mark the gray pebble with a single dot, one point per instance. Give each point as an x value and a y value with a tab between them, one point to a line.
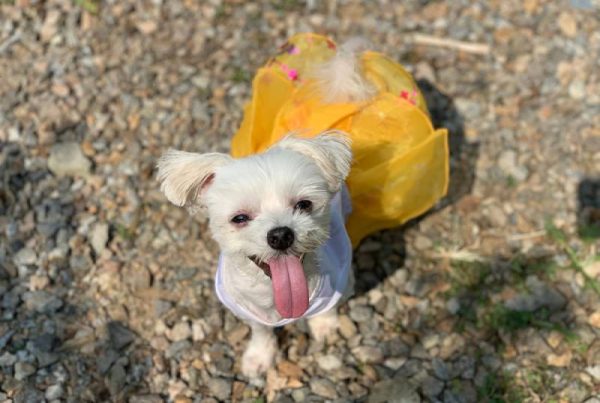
220	388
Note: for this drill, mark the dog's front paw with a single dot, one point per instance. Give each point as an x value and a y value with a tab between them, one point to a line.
324	325
259	355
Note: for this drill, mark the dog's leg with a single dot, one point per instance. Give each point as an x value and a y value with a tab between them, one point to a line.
260	351
324	325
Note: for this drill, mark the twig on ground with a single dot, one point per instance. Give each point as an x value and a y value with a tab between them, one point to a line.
462	255
529	235
468	47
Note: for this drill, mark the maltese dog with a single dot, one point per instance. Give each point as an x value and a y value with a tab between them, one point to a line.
279	216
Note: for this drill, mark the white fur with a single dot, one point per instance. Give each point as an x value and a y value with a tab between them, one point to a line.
340	78
330	151
266	187
260	351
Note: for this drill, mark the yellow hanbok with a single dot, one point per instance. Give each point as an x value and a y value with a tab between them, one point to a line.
400	165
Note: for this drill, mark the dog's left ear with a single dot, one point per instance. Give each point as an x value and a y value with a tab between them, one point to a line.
184	176
330	151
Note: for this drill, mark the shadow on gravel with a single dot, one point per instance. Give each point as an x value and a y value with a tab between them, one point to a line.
463	160
513	311
588	208
42	320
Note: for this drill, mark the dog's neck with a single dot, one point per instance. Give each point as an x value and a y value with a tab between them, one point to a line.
251	288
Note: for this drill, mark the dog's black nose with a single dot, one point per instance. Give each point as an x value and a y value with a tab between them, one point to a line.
280	238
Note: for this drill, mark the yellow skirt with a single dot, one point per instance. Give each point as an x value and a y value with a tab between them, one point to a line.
400	166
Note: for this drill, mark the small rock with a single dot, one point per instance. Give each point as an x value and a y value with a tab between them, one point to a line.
45	342
27	394
491	362
361	313
508	164
198	332
323	387
424	71
347	327
440	369
177	348
432	387
7	359
25	256
465	367
38	282
119	335
99	237
469	108
161	307
106	359
594	371
329	362
67	159
23	370
146	399
147	27
592	269
116	379
496	216
238	334
299	395
49	27
554	338
54	392
562	360
289	369
567	24
394	391
453	305
422	243
450	345
594	319
368	354
59	89
220	388
577	89
42	301
395	363
417	287
540	295
430	341
45	359
180	331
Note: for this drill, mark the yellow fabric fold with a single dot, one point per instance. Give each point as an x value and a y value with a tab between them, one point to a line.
400	165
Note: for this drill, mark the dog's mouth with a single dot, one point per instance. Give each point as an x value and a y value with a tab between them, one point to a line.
290	289
261	265
264	266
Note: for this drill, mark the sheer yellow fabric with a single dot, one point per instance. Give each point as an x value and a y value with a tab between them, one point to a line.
400	166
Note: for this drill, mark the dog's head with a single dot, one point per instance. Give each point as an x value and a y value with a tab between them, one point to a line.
271	208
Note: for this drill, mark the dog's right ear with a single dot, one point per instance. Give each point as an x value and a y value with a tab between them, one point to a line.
183	176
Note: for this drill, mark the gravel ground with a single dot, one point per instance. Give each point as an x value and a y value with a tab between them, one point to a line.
106	290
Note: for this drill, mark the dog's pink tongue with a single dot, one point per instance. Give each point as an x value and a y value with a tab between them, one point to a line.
290	290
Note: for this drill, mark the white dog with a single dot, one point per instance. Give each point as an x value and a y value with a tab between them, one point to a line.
278	218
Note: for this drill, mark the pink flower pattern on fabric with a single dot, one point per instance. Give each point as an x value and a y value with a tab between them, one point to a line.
291	73
412	97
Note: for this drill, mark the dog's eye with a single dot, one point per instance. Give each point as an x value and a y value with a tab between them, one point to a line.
303	205
240	219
